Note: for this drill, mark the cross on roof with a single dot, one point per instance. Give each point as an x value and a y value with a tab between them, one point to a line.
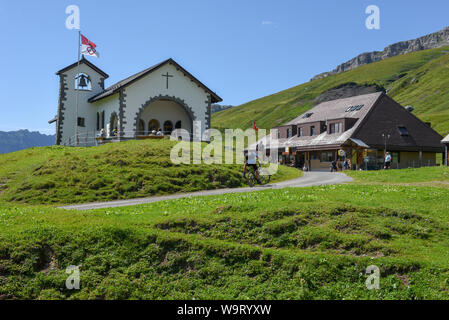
168	76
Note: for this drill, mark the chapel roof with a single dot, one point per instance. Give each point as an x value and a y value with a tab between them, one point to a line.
87	62
125	82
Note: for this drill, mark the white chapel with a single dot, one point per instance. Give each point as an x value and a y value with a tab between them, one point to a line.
163	97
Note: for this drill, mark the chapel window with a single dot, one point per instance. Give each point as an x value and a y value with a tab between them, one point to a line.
153	125
141	128
168	127
81	122
178	125
98	121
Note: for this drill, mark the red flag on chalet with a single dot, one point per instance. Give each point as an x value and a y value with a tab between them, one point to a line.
88	47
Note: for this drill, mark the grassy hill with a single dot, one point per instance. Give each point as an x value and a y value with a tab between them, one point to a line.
114	171
419	79
310	243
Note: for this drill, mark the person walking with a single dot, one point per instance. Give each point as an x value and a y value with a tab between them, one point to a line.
387	161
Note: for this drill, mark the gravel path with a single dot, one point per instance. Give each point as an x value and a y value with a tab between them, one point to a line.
309	179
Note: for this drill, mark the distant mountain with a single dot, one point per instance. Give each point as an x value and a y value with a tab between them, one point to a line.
219	107
418	79
17	140
431	41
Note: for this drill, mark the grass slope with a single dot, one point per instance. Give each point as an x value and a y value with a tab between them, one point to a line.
311	243
430	175
419	79
114	171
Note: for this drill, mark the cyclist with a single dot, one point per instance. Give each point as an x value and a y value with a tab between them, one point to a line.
251	161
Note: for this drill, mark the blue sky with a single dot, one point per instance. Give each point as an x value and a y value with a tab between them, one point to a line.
242	49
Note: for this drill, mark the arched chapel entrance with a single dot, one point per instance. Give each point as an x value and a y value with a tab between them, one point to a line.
166	114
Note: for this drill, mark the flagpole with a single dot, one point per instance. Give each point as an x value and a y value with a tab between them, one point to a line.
77	87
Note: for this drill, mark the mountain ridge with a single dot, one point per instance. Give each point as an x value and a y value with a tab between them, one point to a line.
430	41
11	141
418	79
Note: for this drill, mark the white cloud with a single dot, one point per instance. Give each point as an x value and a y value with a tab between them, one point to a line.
267	23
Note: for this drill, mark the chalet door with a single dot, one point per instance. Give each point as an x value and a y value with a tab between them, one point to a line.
300	159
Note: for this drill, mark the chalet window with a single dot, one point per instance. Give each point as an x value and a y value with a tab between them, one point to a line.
403	131
81	122
300	133
335	128
355	108
396	157
307	115
288	133
312	130
327	157
98	121
279	133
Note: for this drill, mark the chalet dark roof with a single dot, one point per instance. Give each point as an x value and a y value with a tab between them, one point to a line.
87	62
123	83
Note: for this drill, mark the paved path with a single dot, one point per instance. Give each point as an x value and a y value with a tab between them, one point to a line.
309	179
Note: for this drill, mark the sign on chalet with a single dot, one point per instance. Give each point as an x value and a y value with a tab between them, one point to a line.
361	129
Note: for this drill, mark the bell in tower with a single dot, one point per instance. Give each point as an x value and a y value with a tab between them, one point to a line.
83	82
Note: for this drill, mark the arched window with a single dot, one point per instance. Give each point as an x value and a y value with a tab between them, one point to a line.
83	82
168	127
113	125
153	125
141	128
178	125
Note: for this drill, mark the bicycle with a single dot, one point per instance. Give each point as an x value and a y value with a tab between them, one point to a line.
264	177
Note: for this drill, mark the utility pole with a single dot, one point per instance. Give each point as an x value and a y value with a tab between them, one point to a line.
386	136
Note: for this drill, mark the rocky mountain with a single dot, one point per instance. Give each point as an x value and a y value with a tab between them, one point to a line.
219	107
431	41
17	140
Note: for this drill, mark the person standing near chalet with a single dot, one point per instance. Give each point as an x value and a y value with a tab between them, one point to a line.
346	165
334	166
387	161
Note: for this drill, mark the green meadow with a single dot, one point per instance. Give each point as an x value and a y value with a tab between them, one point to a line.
132	169
305	243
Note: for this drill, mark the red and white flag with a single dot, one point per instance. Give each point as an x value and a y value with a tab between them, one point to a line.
254	126
88	47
